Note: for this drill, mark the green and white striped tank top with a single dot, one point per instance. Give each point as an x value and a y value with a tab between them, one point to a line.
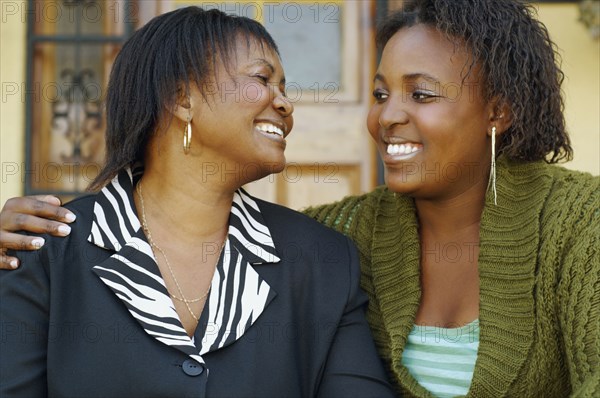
442	360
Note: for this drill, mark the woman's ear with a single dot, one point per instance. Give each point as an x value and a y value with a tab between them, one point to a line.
500	116
182	109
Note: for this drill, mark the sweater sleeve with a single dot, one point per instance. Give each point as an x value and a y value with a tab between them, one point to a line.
579	292
339	215
346	216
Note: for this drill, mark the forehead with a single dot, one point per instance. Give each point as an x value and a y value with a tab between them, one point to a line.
423	49
249	50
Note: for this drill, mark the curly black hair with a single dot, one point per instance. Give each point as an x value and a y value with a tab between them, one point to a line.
519	64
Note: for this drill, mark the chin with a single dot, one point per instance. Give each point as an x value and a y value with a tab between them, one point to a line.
264	168
275	165
402	183
278	164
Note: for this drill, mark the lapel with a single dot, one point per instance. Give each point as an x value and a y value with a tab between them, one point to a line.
395	256
509	238
509	241
238	294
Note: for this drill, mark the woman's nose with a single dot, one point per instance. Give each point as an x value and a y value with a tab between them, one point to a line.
393	113
282	103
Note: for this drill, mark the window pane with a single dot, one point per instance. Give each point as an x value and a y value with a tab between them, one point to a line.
66	97
299	28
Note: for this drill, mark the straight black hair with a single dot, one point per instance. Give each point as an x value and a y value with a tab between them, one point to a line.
171	51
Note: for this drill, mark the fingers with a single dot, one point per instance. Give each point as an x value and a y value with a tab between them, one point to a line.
20	242
7	262
16	242
53	200
45	206
37	214
24	222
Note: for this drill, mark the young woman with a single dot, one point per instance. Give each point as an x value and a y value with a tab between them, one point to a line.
479	256
174	282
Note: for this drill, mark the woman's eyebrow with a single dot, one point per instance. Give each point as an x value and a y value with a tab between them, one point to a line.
411	77
424	76
264	62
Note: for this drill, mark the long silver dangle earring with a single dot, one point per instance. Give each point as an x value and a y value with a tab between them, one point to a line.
492	180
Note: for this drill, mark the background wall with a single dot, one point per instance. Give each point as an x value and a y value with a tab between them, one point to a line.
12	103
581	64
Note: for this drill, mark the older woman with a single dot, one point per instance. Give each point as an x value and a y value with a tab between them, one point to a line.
175	282
480	257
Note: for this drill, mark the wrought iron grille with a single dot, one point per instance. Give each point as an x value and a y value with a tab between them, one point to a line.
70	47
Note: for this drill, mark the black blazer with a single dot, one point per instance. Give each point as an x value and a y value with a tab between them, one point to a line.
64	331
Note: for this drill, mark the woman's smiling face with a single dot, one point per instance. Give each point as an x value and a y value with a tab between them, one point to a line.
242	122
430	123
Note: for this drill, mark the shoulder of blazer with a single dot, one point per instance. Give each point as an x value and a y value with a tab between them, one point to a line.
59	251
283	221
308	246
314	257
83	208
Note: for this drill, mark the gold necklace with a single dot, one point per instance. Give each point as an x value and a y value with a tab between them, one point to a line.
153	245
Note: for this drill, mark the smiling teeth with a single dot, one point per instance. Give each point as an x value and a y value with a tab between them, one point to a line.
402	149
270	128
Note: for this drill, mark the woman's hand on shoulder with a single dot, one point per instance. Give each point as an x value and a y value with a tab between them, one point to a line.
39	214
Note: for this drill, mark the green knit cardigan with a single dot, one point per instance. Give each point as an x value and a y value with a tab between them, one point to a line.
539	276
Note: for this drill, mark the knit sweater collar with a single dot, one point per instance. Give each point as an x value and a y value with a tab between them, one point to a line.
509	241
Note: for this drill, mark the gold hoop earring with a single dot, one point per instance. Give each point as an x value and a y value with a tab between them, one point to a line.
187	137
492	180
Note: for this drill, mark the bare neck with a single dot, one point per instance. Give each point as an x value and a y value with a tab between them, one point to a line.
180	204
454	218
